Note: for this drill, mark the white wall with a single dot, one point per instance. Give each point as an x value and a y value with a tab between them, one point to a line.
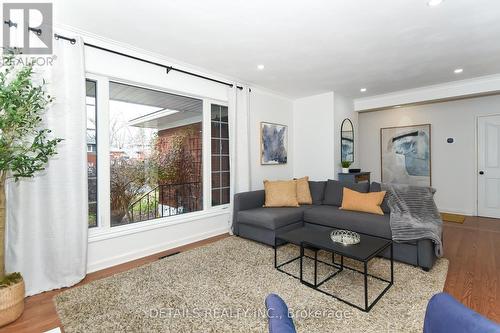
112	249
453	165
133	71
317	122
314	136
344	108
269	107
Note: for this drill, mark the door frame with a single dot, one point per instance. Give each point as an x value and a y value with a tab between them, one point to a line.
476	149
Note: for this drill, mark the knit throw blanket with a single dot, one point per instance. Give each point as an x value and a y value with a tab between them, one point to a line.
414	214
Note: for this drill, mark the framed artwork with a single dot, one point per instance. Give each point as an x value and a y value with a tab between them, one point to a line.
405	155
273	143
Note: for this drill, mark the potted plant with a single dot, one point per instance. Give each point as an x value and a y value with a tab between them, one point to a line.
345	166
25	149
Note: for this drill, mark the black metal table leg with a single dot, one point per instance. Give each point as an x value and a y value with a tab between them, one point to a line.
339	266
392	264
315	268
301	262
366	284
279	266
275	256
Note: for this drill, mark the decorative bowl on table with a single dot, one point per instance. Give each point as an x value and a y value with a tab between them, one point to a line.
345	237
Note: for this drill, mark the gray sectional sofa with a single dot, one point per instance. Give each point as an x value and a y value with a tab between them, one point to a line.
251	220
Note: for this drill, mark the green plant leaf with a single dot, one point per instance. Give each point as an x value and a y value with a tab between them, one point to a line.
25	146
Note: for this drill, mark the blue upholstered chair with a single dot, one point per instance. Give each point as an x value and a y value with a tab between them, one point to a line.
444	314
277	311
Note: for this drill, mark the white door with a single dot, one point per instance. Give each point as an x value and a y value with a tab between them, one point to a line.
489	166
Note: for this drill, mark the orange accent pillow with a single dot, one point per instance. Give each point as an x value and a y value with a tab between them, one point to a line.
363	202
281	193
303	192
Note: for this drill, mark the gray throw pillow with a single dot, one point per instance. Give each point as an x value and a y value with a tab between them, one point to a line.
334	191
376	187
317	192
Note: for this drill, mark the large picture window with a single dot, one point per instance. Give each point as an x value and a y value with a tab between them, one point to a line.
153	158
155	154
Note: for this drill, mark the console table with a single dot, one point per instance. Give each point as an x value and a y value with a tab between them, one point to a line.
355	177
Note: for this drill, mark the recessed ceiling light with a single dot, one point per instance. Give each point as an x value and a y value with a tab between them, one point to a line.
434	3
260	67
397	106
362	89
458	70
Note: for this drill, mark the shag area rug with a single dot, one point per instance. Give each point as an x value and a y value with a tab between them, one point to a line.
221	287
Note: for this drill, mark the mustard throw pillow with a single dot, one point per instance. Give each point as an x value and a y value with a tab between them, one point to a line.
303	192
363	202
281	193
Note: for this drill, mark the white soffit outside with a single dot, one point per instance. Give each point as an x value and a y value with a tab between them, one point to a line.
143	96
486	85
307	47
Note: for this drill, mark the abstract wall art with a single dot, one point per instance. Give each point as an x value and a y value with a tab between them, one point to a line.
273	144
406	155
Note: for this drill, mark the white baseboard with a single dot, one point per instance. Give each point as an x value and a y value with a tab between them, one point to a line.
54	330
144	252
455	211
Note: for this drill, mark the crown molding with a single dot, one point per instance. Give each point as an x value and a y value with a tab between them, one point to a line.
475	87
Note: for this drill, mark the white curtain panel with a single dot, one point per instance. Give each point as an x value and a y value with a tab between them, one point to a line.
238	101
47	215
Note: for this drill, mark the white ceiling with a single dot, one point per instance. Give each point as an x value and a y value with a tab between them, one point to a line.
308	47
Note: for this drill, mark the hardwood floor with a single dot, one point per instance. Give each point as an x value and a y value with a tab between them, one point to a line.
473	249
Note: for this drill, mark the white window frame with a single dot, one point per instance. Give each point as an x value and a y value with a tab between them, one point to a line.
208	133
103	185
103	229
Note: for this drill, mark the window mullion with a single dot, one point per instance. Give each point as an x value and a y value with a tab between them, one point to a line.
207	155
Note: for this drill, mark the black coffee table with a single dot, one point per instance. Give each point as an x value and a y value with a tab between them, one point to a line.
317	239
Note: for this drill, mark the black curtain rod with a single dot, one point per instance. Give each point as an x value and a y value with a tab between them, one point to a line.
167	68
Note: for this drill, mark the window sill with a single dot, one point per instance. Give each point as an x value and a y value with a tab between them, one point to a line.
97	235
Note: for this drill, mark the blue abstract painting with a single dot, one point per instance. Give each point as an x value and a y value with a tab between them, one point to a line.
406	155
274	144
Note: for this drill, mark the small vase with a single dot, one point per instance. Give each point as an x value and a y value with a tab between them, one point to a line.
345	170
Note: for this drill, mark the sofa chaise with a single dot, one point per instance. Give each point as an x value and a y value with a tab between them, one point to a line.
252	221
